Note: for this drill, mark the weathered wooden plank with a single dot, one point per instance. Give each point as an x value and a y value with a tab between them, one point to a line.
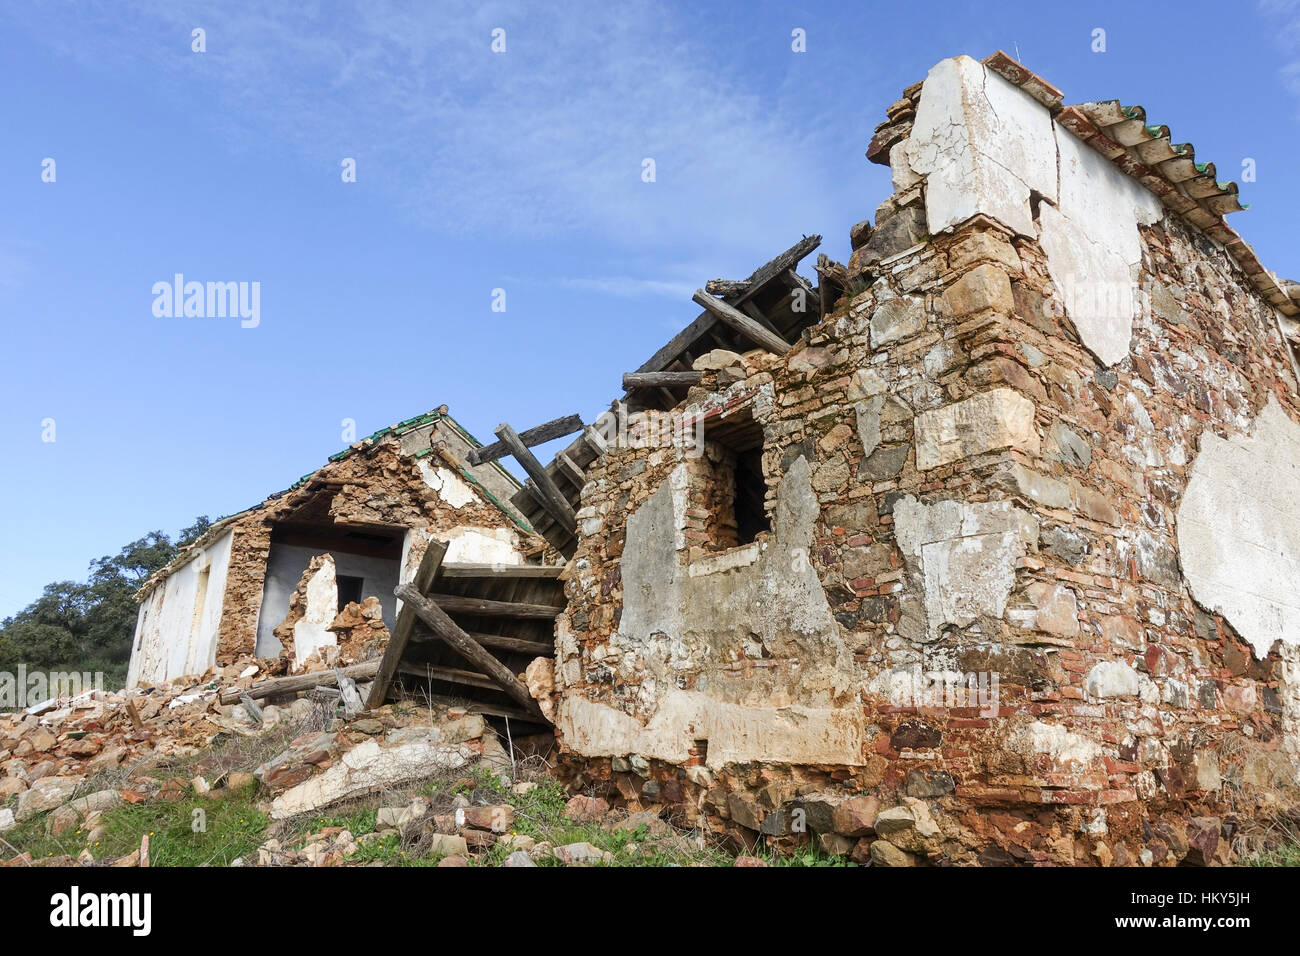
786	260
742	324
547	431
461	604
595	441
517	645
136	723
755	313
472	570
569	468
297	682
678	343
557	504
425	574
432	614
493	711
451	675
727	288
633	380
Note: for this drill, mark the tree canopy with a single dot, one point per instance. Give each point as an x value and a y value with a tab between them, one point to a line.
76	626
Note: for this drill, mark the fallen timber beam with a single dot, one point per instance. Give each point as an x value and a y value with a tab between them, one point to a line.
452	675
430	564
557	504
547	431
288	685
464	645
633	380
755	313
517	645
471	570
742	323
460	604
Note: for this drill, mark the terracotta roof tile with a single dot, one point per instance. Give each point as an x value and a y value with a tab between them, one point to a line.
1146	152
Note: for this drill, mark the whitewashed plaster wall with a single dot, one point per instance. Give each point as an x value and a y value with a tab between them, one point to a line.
1239	529
176	627
984	146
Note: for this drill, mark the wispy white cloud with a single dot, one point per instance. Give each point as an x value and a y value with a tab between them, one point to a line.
549	136
630	287
1284	19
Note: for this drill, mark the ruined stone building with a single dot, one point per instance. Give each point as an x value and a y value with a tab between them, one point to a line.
359	524
982	548
991	553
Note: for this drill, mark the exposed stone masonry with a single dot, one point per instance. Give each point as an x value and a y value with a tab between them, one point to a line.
959	487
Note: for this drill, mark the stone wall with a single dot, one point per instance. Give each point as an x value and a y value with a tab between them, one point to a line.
1025	594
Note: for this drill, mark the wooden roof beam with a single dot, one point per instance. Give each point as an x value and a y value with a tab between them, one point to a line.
462	604
555	502
762	275
499	571
742	323
547	431
633	380
726	288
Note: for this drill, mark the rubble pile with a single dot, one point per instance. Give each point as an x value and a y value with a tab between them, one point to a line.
95	732
464	825
71	760
373	754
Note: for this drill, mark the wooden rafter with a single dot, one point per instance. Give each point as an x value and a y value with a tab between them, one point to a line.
552	497
547	431
461	604
706	320
500	571
743	324
633	380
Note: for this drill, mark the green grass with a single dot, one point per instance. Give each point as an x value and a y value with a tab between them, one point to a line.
807	855
540	815
358	822
1287	854
230	826
391	851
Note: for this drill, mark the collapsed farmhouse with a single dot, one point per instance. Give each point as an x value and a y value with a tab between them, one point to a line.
981	543
352	529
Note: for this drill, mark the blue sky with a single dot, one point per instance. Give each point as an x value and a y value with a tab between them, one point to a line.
475	171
